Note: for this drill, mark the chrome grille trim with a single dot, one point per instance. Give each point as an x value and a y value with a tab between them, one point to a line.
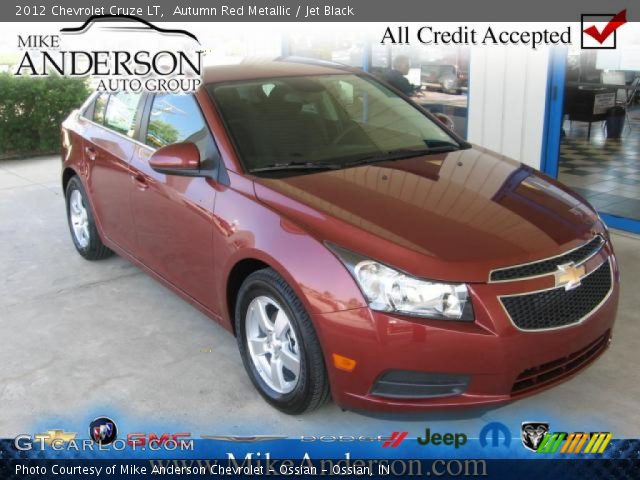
602	243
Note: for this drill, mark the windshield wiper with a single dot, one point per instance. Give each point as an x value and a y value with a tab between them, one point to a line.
397	154
402	153
445	147
296	166
390	155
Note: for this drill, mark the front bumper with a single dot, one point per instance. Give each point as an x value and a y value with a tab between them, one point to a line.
502	363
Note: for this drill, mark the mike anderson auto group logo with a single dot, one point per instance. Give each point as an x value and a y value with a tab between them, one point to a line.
165	60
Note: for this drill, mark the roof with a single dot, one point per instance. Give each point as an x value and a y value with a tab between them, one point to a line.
270	69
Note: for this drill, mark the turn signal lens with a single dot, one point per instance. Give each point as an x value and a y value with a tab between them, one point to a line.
344	363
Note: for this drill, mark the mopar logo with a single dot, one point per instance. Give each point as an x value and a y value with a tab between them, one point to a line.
494	431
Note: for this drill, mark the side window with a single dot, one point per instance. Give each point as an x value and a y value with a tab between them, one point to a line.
177	118
121	113
100	105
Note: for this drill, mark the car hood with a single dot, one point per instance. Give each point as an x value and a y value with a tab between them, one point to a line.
449	216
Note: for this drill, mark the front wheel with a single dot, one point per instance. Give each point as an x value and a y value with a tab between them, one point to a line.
278	344
82	224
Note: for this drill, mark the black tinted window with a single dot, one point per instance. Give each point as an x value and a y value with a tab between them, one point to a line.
321	119
121	112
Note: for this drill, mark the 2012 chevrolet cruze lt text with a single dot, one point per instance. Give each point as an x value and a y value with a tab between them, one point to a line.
355	247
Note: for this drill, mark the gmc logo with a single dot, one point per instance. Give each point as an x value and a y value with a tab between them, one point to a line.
151	439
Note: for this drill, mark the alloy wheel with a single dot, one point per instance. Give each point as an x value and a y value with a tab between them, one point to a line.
79	219
272	344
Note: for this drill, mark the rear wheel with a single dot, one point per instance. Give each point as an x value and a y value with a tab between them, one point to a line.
82	224
278	344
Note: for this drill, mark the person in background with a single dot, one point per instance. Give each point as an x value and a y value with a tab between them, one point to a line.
396	75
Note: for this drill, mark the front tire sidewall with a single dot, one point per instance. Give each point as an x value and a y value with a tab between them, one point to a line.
295	401
95	248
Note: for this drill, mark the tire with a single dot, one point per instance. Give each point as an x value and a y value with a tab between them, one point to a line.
294	396
82	225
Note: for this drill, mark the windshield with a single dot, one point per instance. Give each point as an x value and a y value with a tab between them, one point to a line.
330	121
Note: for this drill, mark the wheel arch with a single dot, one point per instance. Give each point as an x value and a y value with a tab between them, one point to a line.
314	300
67	174
237	275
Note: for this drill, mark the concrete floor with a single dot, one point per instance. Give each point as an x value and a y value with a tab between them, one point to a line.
82	339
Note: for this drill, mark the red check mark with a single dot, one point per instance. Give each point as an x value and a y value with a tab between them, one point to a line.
616	22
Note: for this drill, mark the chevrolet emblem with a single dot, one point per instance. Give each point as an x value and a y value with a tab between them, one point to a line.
569	275
53	435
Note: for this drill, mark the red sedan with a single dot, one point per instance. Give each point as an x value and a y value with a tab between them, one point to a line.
355	247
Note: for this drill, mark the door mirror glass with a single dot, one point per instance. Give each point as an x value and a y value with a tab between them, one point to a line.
176	159
446	120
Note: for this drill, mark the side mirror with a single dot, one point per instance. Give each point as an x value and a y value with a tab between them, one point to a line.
176	159
445	120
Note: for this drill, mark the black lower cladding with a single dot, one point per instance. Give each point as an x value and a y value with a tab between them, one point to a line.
409	384
559	307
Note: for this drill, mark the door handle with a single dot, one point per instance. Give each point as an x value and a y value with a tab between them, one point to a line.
140	181
91	152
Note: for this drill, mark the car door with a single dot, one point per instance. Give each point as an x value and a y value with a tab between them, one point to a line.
108	148
174	214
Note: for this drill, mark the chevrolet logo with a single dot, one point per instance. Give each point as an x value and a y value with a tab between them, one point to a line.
53	435
569	275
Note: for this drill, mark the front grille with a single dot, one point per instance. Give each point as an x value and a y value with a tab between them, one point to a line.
559	307
550	265
549	372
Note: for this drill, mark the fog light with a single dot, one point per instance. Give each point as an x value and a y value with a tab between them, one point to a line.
410	384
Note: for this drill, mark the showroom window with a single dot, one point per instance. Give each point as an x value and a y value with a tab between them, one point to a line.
599	141
347	49
437	77
121	113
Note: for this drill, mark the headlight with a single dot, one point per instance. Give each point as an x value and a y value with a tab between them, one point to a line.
390	290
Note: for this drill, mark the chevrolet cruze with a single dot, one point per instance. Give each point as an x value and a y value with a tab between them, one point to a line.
355	247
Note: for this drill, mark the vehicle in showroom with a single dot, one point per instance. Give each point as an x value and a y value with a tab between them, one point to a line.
445	78
355	247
